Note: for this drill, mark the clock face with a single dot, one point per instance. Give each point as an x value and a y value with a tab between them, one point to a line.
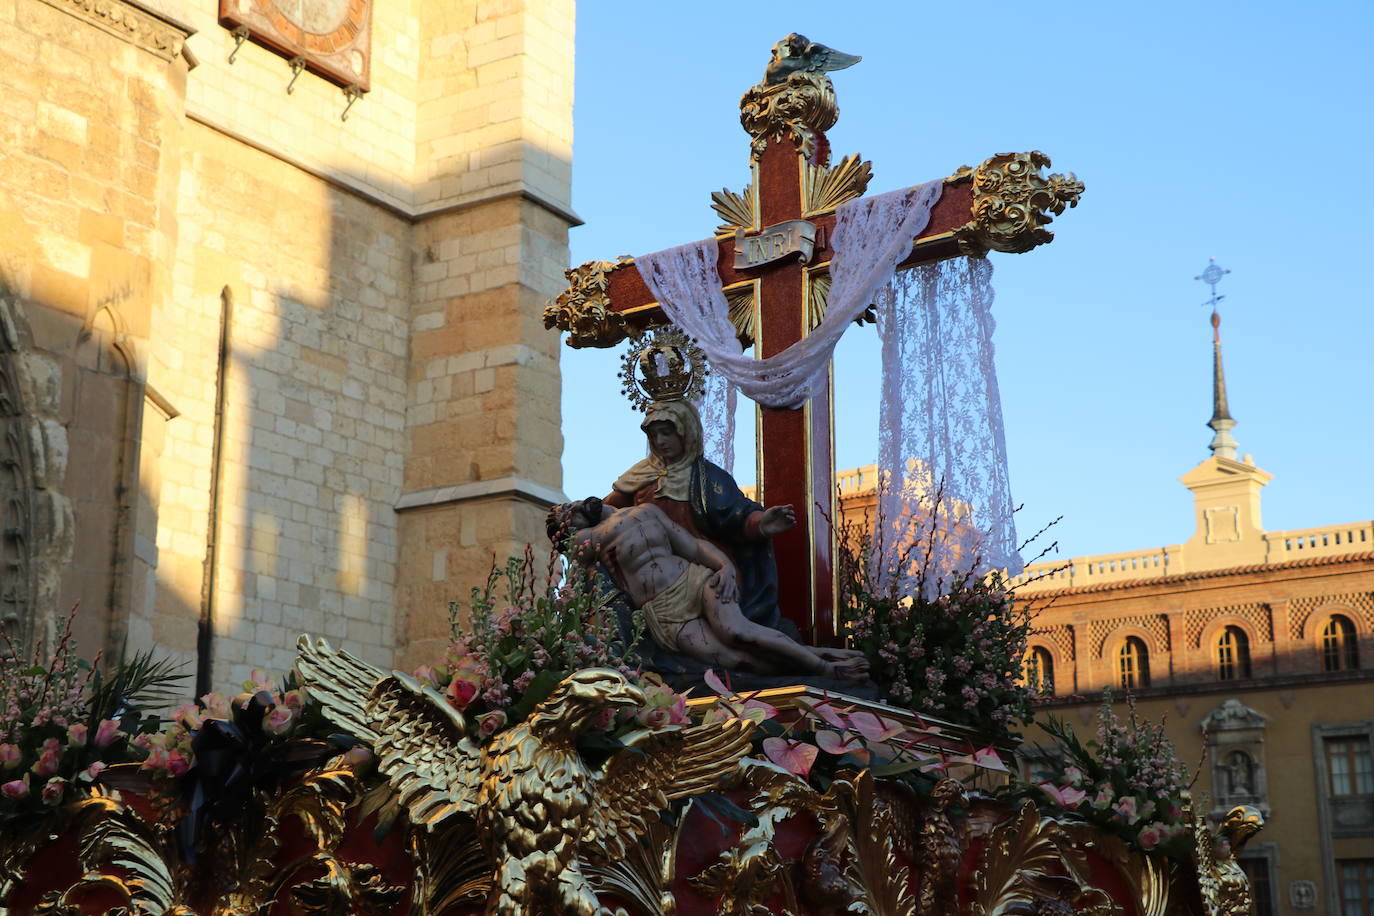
334	37
317	17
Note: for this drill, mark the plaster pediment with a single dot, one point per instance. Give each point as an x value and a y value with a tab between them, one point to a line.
1233	715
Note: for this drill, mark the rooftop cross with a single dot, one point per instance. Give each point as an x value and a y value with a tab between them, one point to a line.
1212	275
1222	445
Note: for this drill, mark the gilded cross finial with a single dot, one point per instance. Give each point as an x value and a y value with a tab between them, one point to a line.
1222	445
1212	275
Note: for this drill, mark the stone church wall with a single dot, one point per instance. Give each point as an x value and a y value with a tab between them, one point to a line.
390	399
315	406
89	123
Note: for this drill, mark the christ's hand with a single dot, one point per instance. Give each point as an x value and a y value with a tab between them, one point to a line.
776	520
724	585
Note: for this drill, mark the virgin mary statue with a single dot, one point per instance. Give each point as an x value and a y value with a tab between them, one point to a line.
704	499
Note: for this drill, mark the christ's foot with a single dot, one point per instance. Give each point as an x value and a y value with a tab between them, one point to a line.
831	654
850	669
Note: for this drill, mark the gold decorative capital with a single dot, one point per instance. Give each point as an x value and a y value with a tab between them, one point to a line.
583	309
801	107
126	21
1013	202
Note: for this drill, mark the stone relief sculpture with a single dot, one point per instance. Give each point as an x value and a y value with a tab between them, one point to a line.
1235	736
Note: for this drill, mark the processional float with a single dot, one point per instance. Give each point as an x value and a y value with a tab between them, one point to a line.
427	814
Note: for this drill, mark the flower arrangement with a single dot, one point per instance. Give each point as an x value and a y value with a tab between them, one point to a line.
285	715
1128	780
63	721
830	735
957	655
523	633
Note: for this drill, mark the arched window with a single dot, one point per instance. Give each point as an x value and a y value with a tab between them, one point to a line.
1038	669
1339	651
1233	654
1133	663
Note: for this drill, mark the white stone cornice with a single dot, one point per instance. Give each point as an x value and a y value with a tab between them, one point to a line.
498	487
130	22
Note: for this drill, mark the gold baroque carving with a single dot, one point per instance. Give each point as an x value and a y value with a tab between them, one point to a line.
122	852
1017	874
735	210
852	866
801	108
1149	877
645	874
583	309
539	808
818	297
741	302
1013	202
126	21
824	189
139	860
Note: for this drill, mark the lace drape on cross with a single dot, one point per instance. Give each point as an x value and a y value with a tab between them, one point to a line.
941	429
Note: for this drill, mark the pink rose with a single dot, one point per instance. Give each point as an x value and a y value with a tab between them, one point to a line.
52	744
156	759
1151	835
257	680
176	763
106	733
654	717
53	791
1127	809
47	763
491	723
216	707
189	716
17	789
1073	775
294	699
92	772
10	756
461	691
279	720
76	735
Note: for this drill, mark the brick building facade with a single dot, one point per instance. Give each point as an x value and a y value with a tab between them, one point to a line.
1253	646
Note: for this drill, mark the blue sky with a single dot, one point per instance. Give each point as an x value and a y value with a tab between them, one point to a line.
1227	130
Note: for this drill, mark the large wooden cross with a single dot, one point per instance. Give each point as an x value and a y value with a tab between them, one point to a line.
774	269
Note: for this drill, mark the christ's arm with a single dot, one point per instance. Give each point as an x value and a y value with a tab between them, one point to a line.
696	550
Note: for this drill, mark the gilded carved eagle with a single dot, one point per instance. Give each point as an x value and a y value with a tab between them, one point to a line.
1225	888
538	806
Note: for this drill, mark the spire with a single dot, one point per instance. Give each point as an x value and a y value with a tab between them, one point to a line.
1222	445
